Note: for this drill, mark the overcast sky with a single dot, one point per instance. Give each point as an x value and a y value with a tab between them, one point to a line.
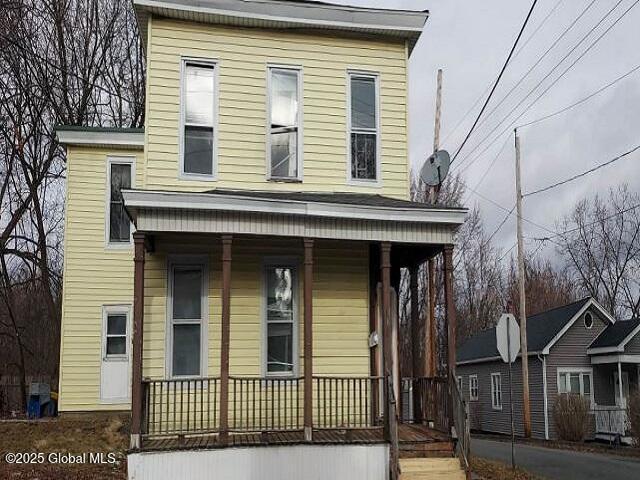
469	40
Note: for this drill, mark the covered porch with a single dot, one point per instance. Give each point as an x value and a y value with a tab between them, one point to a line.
301	325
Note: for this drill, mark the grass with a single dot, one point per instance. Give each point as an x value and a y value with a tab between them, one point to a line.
491	470
103	433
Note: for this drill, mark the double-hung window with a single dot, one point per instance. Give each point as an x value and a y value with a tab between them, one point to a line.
574	382
281	319
120	172
187	318
496	391
198	119
473	387
284	142
364	135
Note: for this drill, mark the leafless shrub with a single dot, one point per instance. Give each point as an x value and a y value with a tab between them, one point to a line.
633	411
571	417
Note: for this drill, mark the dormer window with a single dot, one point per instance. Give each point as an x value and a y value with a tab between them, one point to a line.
284	150
198	120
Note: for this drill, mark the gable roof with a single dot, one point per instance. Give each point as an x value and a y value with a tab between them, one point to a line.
279	14
542	329
617	335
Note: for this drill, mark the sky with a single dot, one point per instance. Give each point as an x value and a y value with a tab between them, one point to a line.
470	40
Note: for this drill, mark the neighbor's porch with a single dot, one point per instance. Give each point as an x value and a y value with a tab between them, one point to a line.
315	401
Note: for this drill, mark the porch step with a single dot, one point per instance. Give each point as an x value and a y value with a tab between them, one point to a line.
424	449
431	469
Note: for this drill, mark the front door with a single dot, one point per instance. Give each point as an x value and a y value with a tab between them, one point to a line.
625	388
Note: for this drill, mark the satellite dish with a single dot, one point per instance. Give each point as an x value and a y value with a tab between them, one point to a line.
435	169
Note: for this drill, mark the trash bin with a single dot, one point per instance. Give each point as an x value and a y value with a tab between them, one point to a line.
39	397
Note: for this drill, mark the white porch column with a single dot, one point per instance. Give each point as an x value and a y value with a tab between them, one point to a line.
620	385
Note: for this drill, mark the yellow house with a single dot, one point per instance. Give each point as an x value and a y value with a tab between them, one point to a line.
231	269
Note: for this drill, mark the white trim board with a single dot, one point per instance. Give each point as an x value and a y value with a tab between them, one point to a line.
227	202
615	359
97	139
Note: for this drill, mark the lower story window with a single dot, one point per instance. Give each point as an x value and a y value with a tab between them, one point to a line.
473	387
187	320
281	319
496	391
576	383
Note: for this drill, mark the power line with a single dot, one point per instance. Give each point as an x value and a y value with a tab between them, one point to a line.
495	85
487	170
580	175
488	87
555	81
542	57
581	101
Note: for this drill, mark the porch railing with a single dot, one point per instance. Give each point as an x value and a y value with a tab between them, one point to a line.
611	420
347	402
176	407
426	400
461	424
265	404
257	404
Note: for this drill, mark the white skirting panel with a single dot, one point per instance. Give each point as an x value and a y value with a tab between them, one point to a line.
301	462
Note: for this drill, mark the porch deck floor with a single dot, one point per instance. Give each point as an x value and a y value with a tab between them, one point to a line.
407	434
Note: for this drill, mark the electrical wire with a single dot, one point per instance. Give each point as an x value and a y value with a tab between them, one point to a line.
495	85
582	174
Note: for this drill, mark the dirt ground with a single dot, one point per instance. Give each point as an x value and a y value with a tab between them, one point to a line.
56	438
490	470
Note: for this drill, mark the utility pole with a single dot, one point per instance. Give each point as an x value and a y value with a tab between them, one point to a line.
526	407
432	331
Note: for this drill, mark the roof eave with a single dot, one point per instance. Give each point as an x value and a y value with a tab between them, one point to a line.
148	199
400	24
130	139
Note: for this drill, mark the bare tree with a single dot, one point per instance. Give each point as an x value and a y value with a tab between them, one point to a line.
601	249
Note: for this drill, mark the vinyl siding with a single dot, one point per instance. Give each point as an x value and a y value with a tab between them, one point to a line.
484	417
243	56
94	275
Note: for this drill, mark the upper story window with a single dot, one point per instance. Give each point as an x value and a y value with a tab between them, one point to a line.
364	130
120	173
284	139
473	387
198	119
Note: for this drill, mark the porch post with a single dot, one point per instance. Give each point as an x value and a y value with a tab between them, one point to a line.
620	390
138	330
416	340
450	312
308	339
431	352
224	347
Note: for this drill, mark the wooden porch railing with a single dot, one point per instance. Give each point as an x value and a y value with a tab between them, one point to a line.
176	407
461	424
257	404
426	400
347	402
611	420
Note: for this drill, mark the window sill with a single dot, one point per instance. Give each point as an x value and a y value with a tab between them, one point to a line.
118	245
284	180
195	177
364	183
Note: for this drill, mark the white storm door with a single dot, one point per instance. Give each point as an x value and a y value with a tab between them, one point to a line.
115	365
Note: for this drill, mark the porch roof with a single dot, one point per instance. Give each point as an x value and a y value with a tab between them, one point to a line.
615	337
348	216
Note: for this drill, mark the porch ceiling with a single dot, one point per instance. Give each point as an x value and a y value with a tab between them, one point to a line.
341	216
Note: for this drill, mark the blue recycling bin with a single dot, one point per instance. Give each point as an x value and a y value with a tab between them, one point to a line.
33	407
39	398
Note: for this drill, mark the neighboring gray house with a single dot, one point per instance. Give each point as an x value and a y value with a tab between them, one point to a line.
577	348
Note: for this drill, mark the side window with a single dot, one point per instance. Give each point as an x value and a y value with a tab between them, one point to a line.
281	320
364	138
496	391
473	387
119	177
198	119
116	333
283	147
187	319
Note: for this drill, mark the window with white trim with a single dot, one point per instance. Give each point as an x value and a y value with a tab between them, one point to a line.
284	139
187	318
280	319
364	135
116	332
575	382
496	391
119	177
473	387
460	384
198	119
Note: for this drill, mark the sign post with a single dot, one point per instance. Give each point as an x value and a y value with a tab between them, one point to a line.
508	343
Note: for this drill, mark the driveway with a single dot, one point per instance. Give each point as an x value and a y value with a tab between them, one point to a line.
559	464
